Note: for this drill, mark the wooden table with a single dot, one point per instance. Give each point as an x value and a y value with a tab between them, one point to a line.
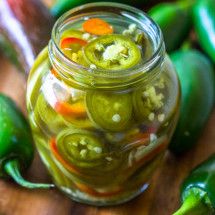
162	197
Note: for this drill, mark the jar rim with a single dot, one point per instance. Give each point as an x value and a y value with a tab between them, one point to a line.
156	57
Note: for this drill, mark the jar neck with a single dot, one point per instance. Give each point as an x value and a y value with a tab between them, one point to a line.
83	77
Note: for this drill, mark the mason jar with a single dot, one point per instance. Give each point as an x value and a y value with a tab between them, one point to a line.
103	101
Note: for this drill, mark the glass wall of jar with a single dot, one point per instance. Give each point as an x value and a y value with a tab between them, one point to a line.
103	101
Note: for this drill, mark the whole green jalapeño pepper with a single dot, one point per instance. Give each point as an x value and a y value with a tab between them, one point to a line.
174	20
198	190
204	22
16	149
196	75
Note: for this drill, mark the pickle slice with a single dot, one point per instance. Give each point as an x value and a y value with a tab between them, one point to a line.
81	148
112	52
109	111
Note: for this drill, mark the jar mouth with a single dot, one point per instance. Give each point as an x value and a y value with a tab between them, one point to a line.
129	12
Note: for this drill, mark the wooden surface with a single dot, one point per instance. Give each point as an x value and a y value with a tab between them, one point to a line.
162	197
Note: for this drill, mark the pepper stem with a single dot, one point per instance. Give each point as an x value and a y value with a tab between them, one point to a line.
12	168
194	205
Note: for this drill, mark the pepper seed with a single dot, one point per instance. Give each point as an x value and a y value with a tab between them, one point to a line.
97	150
161	117
83	153
151	116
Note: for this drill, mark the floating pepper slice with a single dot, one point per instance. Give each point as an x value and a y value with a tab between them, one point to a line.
140	108
72	43
67	165
75	114
148	104
72	40
108	110
114	52
73	110
97	26
79	148
72	33
44	114
91	170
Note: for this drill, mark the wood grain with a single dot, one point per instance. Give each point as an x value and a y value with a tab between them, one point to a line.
162	197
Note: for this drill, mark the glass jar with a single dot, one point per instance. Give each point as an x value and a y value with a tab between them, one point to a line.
102	132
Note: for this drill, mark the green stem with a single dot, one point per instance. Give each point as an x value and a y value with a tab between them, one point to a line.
12	168
194	205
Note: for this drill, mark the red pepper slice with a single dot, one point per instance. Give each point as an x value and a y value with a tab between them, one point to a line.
67	42
54	150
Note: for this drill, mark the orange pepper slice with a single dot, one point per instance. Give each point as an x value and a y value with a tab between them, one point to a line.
97	26
54	72
66	109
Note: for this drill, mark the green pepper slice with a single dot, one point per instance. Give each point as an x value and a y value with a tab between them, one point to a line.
38	70
109	111
114	52
149	104
72	33
140	108
47	117
80	148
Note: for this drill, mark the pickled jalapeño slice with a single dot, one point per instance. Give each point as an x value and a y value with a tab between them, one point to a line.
72	33
148	103
46	115
80	148
71	45
110	111
114	52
